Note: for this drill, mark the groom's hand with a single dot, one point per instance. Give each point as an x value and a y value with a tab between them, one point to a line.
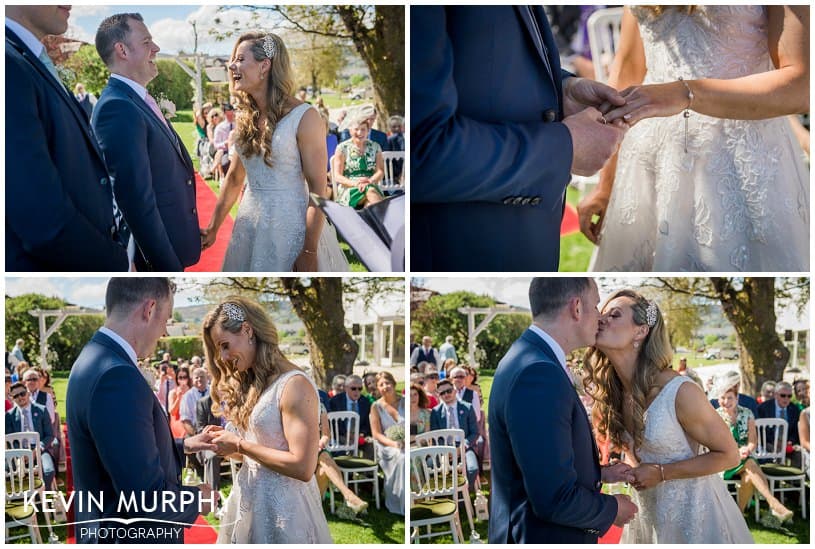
625	510
199	443
579	93
619	472
593	142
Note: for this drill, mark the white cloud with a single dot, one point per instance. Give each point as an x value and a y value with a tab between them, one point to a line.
85	11
19	286
88	292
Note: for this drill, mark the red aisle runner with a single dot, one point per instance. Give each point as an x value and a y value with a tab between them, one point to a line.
212	258
570	222
612	536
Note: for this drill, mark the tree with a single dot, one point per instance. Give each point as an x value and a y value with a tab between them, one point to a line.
377	33
749	304
64	346
173	83
87	67
438	318
682	315
317	62
319	303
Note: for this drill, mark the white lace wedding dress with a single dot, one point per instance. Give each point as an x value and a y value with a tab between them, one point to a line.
270	227
738	200
697	510
265	506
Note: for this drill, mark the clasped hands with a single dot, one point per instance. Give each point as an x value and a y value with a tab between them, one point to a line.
213	438
641	477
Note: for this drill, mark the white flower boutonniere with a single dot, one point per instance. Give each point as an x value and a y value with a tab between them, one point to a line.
167	108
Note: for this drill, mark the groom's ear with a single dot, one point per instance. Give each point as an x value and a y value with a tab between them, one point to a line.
575	308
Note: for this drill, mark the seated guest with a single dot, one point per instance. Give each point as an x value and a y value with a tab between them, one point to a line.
800	388
396	142
446	367
352	400
182	386
31	378
419	413
337	385
328	471
368	113
452	413
9	400
781	407
431	380
358	168
220	140
458	375
369	379
29	416
744	400
208	460
767	392
743	427
386	413
803	429
417	378
200	389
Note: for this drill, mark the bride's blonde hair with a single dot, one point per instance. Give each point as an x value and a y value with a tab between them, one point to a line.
279	88
603	384
659	10
240	391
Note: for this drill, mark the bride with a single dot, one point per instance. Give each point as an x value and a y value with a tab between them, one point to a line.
279	145
719	183
661	420
275	408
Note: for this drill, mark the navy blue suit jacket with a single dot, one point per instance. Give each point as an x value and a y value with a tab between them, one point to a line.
120	437
40	418
490	159
339	403
767	410
466	420
545	469
59	202
153	176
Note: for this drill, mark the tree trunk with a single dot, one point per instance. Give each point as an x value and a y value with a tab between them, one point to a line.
319	305
383	50
751	311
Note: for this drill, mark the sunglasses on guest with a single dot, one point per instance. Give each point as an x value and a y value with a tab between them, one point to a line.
19	395
784	395
354	388
459	377
446	391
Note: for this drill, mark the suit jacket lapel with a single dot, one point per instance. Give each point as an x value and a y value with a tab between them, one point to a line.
165	128
62	91
534	19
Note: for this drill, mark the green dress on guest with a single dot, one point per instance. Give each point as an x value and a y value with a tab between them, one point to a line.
356	165
740	431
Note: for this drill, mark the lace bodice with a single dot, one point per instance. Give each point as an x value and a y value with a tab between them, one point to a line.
694	510
712	42
738	198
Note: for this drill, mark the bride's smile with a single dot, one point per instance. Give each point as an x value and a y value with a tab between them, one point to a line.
234	349
247	74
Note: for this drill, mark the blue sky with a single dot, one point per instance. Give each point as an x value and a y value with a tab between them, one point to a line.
84	291
170	25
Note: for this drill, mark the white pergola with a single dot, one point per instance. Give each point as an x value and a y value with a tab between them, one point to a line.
490	313
61	315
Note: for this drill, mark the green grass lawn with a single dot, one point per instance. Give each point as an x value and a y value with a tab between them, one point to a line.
185	126
374	526
767	530
575	249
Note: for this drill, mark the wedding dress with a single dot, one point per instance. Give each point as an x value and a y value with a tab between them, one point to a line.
695	510
738	200
270	227
266	506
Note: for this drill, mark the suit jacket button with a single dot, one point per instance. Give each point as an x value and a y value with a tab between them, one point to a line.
549	115
194	211
103	181
526	201
508	200
535	201
189	181
518	200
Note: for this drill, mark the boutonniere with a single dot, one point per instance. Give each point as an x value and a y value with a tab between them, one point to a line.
167	107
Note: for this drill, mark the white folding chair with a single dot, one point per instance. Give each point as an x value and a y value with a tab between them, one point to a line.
772	445
31	440
433	489
604	34
390	183
20	480
344	429
448	437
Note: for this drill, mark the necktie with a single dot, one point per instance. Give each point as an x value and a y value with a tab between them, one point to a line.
26	422
167	396
355	406
451	421
154	107
202	393
782	413
50	66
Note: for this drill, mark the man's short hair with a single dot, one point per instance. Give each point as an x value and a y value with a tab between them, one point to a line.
113	29
782	385
17	385
547	295
442	382
124	293
19	342
353	377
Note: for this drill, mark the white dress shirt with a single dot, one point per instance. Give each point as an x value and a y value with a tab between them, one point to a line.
187	411
555	346
26	36
128	348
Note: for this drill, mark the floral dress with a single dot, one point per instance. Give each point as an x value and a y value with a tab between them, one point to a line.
356	165
740	431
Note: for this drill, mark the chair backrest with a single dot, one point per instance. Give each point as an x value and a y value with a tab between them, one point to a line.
20	469
772	439
433	472
29	440
390	157
443	437
604	35
344	429
331	169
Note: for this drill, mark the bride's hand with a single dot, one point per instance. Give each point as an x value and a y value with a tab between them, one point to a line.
306	262
594	203
647	475
227	443
207	237
650	100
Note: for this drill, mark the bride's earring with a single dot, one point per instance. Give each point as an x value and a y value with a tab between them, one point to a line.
636	344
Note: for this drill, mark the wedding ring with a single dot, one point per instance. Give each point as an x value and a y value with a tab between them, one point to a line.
603	119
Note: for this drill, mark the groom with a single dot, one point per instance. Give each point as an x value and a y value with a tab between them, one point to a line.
121	444
154	180
546	477
497	130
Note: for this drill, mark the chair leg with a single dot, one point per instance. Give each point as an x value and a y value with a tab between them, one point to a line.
468	506
331	496
454	529
376	488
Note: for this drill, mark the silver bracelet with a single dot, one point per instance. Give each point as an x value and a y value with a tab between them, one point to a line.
686	114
